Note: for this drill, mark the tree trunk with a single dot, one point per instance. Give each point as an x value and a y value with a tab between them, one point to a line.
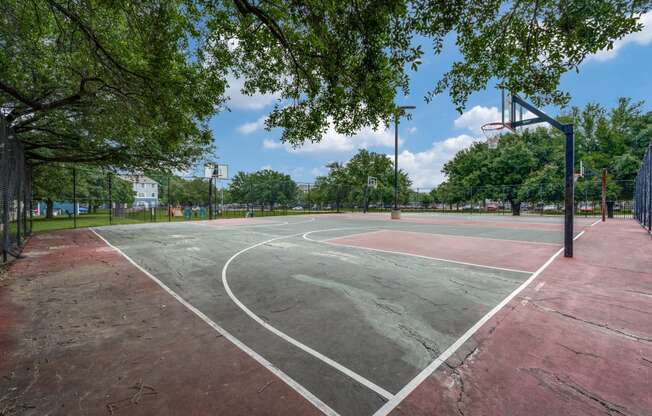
516	208
49	210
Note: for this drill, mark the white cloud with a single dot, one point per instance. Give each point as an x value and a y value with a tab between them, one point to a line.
476	117
333	142
266	167
412	130
424	168
272	144
242	101
642	38
249	128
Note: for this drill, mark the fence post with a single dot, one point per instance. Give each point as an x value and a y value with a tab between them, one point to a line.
110	198
169	206
19	197
74	197
604	194
210	198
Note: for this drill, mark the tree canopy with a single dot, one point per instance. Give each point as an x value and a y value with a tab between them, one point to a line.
54	182
347	183
134	85
265	187
530	166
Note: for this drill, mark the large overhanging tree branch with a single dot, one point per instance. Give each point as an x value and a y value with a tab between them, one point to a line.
144	79
106	82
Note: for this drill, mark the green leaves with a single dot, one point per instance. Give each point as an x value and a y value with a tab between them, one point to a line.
263	187
105	82
530	166
135	84
346	183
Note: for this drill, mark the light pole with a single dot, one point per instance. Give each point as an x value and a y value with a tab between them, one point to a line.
396	212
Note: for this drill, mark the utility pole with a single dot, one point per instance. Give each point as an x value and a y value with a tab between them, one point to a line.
396	212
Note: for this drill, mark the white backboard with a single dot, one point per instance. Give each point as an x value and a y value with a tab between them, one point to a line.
222	172
216	171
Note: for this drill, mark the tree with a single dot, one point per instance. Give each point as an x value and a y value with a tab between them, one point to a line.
348	182
333	187
265	187
134	85
106	82
364	164
530	166
54	182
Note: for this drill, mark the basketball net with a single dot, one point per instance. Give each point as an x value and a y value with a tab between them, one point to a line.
493	131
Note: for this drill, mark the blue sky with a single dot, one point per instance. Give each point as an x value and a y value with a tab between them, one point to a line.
437	131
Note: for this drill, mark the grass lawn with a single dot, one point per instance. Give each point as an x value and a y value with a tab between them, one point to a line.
41	224
83	220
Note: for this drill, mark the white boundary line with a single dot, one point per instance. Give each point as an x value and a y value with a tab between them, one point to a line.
595	222
360	379
426	372
329	242
235	227
305	393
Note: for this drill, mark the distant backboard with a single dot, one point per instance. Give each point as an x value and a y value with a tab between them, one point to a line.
372	182
222	172
217	171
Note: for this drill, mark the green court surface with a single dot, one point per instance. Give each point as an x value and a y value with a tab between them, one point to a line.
351	307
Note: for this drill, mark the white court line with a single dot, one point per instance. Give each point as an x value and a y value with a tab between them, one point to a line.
235	227
595	222
360	379
329	242
426	372
323	407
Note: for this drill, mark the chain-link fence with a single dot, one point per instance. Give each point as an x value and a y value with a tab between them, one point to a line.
15	193
90	196
526	199
643	192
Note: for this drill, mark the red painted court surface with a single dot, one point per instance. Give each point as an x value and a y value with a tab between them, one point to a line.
332	314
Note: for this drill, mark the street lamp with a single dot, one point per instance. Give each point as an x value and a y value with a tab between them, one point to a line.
396	212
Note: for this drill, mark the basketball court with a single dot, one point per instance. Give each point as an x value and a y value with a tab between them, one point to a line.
351	311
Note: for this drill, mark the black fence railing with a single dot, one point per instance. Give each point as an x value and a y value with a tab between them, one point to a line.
643	192
89	196
15	194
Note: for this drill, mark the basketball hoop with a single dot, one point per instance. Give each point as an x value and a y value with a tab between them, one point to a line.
493	131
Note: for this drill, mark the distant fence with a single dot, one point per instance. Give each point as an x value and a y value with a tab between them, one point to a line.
538	200
15	193
643	192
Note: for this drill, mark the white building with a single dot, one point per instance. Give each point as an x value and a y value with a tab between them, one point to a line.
145	190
